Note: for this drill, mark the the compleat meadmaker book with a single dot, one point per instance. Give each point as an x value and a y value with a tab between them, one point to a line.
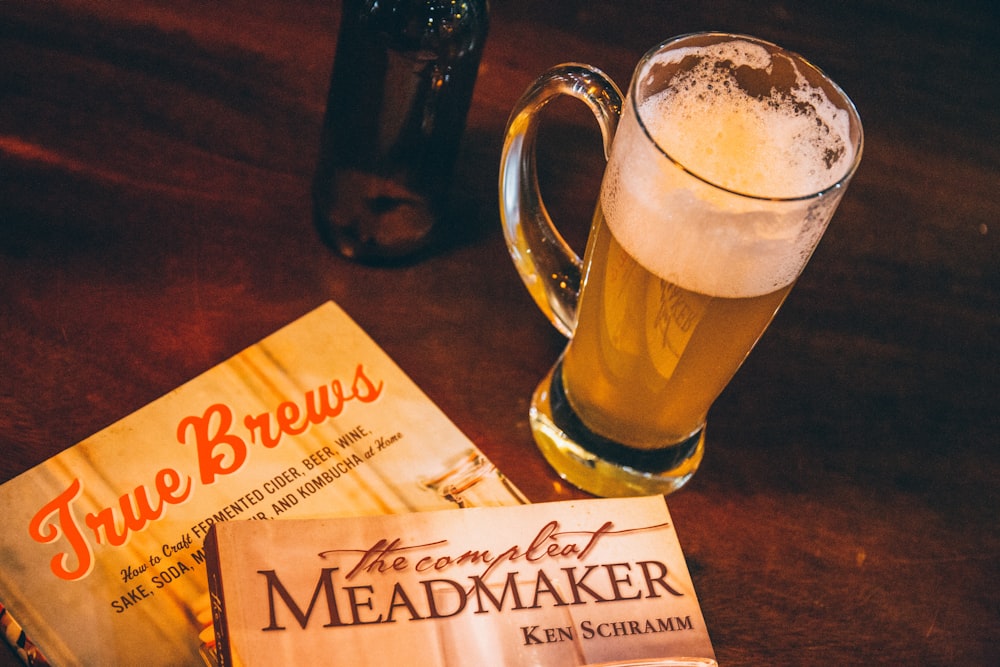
101	558
561	584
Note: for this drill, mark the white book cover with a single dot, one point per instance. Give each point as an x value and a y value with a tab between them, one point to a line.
563	584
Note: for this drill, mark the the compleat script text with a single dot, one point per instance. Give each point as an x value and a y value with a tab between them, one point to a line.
341	600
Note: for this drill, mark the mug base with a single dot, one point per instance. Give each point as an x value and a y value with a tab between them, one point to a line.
601	466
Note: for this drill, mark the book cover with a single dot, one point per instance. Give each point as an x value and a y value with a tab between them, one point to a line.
102	548
562	584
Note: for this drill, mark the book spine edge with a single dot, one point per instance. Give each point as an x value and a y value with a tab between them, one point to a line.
19	642
223	652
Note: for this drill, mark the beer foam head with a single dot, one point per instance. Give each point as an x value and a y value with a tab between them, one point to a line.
721	202
749	122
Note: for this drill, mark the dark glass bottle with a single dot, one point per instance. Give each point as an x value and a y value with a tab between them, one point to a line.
400	90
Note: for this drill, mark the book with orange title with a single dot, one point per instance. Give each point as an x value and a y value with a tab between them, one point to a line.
102	547
563	584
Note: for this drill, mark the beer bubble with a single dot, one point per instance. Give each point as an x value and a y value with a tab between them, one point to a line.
742	121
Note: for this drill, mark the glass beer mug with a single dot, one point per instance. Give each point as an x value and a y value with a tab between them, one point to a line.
725	163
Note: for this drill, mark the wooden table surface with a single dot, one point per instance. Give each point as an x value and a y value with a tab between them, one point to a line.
155	159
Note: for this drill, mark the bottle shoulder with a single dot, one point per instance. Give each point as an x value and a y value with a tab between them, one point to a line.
445	28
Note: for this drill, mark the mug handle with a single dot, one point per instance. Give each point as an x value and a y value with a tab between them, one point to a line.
549	267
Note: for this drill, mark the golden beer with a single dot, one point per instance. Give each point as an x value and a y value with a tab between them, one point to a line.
728	161
665	323
649	357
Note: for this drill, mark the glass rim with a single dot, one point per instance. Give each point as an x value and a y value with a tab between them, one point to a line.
848	105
